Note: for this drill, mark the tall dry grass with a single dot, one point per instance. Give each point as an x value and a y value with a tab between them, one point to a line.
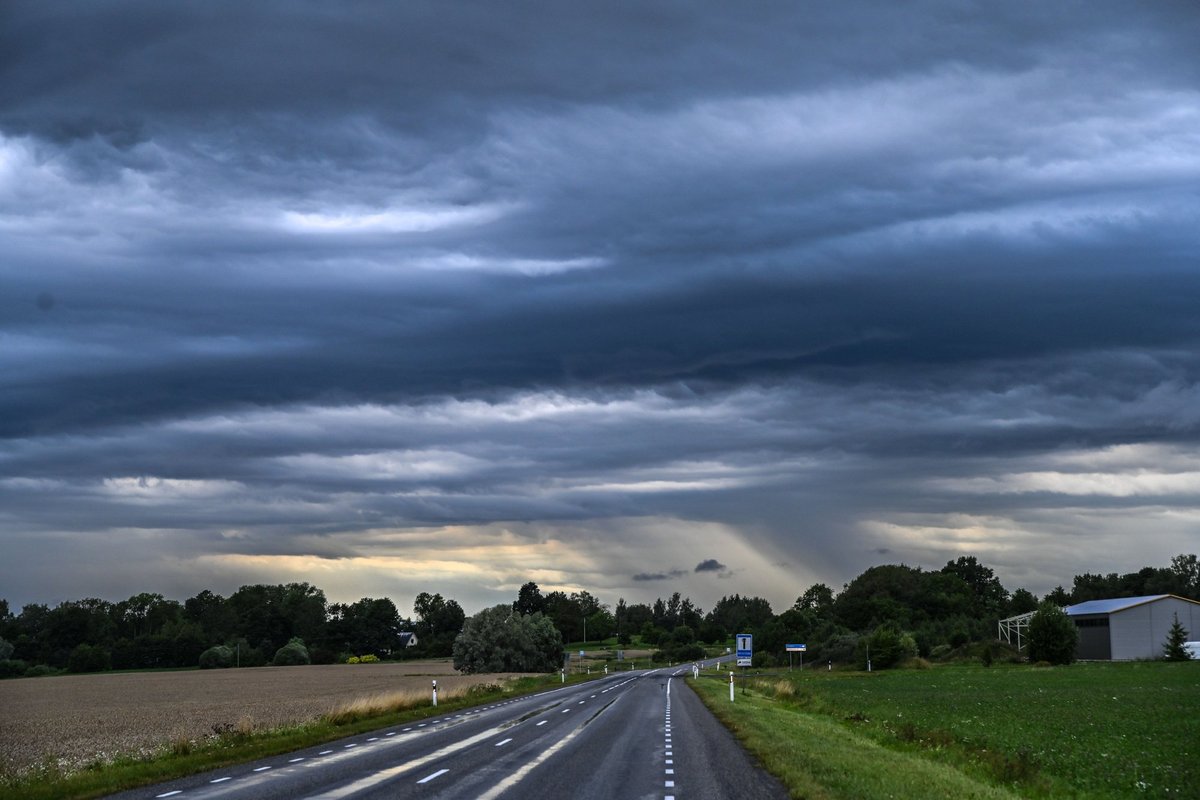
385	703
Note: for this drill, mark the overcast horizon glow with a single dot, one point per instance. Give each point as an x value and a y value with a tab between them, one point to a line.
627	298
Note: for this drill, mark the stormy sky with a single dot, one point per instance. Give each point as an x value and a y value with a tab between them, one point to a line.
630	297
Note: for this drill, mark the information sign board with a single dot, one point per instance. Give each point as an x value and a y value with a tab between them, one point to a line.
745	649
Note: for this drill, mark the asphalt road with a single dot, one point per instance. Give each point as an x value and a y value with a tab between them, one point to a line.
641	734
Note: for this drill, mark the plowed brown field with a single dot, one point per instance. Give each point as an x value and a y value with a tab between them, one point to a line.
74	720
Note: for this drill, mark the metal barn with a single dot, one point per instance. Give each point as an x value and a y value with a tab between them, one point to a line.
1127	628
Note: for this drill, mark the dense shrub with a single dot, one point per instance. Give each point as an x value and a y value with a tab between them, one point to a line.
941	651
292	654
12	668
6	650
1052	635
887	646
219	657
40	671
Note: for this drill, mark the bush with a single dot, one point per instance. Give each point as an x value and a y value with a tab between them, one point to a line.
40	671
1052	635
12	668
88	658
6	650
369	658
941	651
292	654
352	660
219	657
887	646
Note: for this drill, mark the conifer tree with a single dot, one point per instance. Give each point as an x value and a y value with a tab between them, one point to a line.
1173	649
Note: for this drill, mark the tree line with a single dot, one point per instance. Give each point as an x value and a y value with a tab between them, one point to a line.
897	609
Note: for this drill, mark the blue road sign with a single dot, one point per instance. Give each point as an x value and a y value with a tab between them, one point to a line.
745	649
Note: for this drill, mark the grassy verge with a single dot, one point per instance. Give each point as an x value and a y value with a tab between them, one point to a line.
239	745
818	758
1089	730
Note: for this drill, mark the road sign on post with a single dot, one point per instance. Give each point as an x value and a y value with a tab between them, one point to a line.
796	648
745	649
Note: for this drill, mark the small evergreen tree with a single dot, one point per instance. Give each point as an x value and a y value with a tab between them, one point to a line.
1173	649
1052	635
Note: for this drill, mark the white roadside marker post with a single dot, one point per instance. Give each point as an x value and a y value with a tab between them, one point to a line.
731	686
435	694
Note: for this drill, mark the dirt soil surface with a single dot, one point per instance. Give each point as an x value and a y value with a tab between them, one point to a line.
73	720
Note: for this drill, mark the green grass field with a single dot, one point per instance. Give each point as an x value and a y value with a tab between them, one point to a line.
1086	731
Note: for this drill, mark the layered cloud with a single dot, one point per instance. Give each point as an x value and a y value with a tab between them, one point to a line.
382	297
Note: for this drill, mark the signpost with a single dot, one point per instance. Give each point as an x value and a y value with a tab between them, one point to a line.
745	649
796	648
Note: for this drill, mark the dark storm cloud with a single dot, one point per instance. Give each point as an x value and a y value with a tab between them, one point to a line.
297	280
659	576
710	565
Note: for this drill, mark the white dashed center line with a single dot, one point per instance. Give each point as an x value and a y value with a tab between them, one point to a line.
262	769
540	724
170	794
502	743
428	778
221	780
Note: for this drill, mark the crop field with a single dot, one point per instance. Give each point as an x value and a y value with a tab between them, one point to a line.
1087	730
74	720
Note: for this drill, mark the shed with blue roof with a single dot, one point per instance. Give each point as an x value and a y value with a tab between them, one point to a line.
1128	628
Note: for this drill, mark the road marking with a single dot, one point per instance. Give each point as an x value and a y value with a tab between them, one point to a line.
170	794
324	752
390	773
565	710
406	730
422	725
437	774
670	772
221	780
540	724
347	747
670	784
517	776
373	739
393	733
501	744
262	769
294	760
581	702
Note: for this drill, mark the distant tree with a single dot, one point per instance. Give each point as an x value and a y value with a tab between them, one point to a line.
989	596
86	658
1058	596
529	599
498	639
6	650
1052	635
1187	569
817	599
439	621
1022	602
738	614
1173	648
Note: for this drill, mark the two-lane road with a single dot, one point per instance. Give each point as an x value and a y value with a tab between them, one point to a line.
640	734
